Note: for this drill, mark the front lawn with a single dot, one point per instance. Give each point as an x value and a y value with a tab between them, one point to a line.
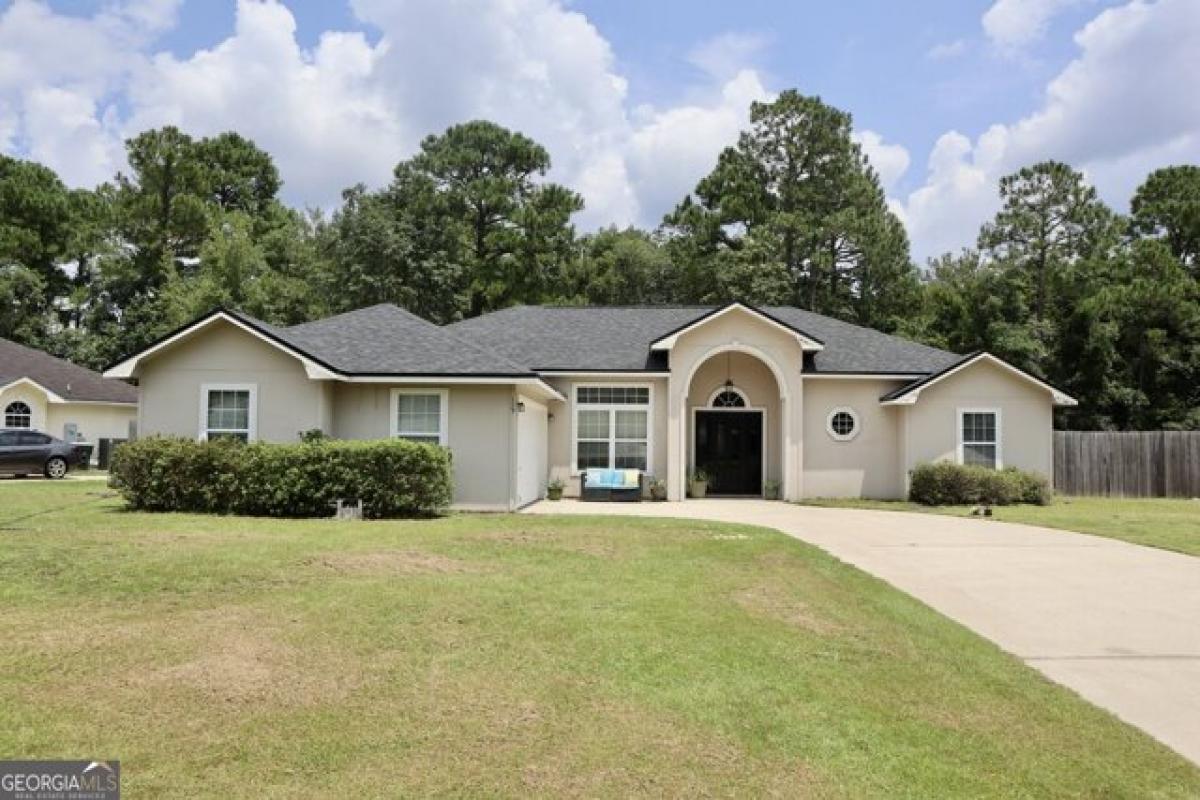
513	656
1169	523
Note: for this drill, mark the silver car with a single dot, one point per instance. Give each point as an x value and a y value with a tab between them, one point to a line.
25	452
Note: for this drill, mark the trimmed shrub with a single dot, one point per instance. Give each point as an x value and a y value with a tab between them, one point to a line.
393	478
947	484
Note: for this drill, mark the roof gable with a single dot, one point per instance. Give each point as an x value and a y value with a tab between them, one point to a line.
62	381
910	393
806	342
313	367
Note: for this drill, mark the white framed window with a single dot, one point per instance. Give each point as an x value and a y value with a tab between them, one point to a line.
18	414
421	415
842	424
728	397
611	426
229	411
979	437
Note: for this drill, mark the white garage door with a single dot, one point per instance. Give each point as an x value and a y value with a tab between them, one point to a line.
531	452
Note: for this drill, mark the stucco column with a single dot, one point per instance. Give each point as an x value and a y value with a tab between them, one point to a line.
675	471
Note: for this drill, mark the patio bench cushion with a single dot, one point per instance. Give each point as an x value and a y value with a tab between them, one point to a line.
613	478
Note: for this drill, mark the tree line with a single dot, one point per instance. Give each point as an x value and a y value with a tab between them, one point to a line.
1104	305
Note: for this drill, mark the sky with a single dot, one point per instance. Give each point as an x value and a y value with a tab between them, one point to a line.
633	99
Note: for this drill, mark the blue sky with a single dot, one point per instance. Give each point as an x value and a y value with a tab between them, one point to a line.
633	99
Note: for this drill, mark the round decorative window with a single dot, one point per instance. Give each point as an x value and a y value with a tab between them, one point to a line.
728	398
842	424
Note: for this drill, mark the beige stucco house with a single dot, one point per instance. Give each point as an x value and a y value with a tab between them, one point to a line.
43	393
752	396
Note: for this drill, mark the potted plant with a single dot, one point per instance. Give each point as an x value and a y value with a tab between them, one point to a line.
658	489
554	490
698	483
771	490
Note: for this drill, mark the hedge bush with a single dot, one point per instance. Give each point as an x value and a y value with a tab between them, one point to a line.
393	478
947	484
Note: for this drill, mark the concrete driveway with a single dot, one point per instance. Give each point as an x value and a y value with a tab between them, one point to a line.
1118	623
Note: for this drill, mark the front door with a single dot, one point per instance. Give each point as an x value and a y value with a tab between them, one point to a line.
729	448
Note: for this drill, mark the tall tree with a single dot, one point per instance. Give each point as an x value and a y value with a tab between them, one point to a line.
35	222
1052	243
402	246
1049	222
517	231
798	194
1167	205
162	203
1144	352
466	226
22	305
237	175
619	267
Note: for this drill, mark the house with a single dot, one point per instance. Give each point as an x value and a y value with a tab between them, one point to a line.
749	395
44	393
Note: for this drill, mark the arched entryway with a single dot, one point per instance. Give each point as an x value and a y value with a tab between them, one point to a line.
734	422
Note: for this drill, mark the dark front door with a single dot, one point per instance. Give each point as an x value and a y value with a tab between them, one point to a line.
729	449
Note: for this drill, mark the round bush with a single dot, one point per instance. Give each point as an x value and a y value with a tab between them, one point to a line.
946	484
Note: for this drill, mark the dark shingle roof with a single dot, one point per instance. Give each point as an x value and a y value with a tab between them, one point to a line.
853	348
387	340
618	338
584	338
68	381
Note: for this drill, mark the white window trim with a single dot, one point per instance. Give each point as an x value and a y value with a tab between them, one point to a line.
721	390
443	406
958	419
252	388
12	402
612	420
839	437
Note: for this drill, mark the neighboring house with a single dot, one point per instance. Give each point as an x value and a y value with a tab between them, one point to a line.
44	393
531	393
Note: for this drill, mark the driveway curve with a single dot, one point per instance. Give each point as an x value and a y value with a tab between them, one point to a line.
1116	622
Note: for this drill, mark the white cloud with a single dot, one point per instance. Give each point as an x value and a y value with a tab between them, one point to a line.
726	55
672	149
1013	24
58	74
322	113
947	50
1123	107
72	88
889	160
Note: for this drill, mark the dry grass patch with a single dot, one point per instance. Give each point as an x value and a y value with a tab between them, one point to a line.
773	600
392	562
232	655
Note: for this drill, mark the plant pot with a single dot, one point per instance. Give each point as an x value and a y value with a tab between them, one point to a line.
699	488
771	493
658	493
554	494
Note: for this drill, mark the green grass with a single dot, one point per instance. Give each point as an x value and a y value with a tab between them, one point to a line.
513	656
1171	524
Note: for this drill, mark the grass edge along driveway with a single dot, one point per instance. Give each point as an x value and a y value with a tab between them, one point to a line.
1166	523
509	655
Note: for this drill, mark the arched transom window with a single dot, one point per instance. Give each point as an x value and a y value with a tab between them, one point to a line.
728	397
17	414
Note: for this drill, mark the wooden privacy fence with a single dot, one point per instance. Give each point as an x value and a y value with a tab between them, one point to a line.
1127	463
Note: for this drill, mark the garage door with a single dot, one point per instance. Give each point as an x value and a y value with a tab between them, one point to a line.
531	452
